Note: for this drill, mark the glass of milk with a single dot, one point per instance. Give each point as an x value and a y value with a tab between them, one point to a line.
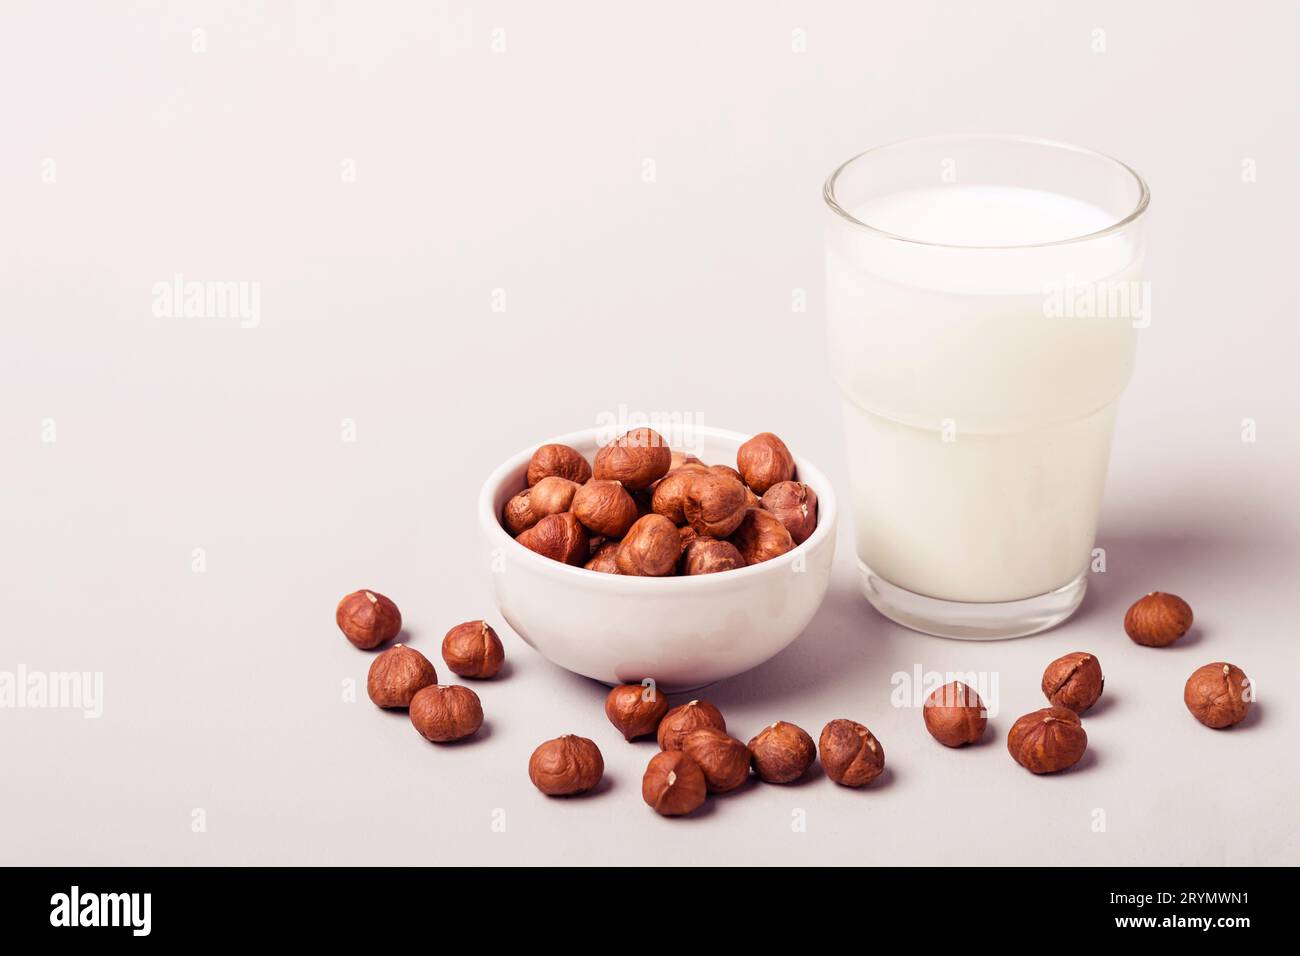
984	295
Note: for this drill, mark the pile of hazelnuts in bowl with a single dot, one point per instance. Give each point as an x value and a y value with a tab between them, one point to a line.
642	509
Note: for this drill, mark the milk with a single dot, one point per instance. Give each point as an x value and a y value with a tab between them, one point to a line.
978	420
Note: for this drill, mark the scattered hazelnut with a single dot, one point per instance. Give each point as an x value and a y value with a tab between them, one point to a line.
782	752
1158	619
559	460
552	495
1218	695
517	515
445	712
715	505
367	619
558	537
566	766
851	755
673	784
605	559
1074	681
680	721
954	715
764	461
637	459
396	674
1047	740
723	758
651	548
605	507
670	494
636	709
795	506
708	556
473	649
761	537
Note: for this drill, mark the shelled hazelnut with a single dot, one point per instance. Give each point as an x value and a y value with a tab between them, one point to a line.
1218	695
851	755
1048	740
782	752
638	459
558	537
604	507
681	459
723	758
1158	619
670	494
552	495
473	649
517	515
566	766
761	537
795	506
636	709
1074	681
368	619
397	674
709	556
650	549
955	715
605	559
714	505
559	460
673	784
446	712
764	461
680	721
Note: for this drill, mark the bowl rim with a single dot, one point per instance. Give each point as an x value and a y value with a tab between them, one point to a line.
497	535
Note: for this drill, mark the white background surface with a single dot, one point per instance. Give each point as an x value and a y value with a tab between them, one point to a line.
522	171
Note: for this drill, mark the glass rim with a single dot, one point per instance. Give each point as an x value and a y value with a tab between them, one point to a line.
1144	194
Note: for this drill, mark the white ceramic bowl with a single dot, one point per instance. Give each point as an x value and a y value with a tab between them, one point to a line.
684	632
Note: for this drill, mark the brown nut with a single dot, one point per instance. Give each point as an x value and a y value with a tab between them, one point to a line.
558	537
795	505
1047	740
715	505
636	709
782	753
1074	681
397	674
473	649
559	460
566	766
673	784
1219	695
681	459
726	471
761	537
367	619
670	494
723	758
851	754
687	534
680	721
517	516
605	560
605	507
651	548
764	461
1158	619
708	556
446	712
955	715
552	495
637	459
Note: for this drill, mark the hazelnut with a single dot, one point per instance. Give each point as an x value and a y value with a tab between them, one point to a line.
552	495
687	534
517	516
638	459
726	471
605	559
1218	695
795	506
851	755
367	619
445	712
670	494
1074	681
723	758
473	649
1047	740
680	721
605	507
681	459
782	752
708	556
566	766
636	709
673	784
1158	619
955	715
558	537
764	461
396	674
559	460
651	548
761	537
715	505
